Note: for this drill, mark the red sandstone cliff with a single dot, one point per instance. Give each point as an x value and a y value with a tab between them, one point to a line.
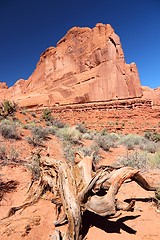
86	65
152	94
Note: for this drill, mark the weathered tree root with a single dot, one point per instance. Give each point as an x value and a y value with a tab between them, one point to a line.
77	188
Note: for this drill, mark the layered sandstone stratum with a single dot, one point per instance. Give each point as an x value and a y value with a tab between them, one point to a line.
87	65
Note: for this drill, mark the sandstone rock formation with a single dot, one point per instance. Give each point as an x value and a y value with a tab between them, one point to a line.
152	94
86	65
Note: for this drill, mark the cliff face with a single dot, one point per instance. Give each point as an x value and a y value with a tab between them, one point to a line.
86	65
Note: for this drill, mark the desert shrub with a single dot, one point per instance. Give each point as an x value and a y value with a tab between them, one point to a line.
3	153
13	154
152	136
16	121
8	156
149	146
38	135
81	127
29	125
24	111
68	151
114	137
154	160
52	130
34	166
135	159
70	134
9	130
33	114
105	141
7	108
57	123
26	126
88	136
48	124
40	132
103	132
46	115
87	151
130	141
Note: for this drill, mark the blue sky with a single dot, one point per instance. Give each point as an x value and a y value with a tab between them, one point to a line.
28	27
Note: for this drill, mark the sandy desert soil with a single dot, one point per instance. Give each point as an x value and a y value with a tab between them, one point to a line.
36	222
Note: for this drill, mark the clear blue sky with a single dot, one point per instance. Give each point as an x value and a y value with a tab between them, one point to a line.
28	27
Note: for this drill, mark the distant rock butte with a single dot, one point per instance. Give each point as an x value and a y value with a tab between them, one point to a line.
86	65
152	94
